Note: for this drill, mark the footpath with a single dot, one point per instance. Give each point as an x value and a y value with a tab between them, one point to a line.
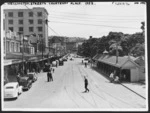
139	88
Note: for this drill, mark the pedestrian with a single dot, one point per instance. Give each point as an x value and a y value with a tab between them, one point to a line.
53	70
111	77
48	76
51	77
116	80
18	77
85	64
86	84
82	61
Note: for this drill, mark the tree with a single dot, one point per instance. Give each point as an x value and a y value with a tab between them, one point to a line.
138	50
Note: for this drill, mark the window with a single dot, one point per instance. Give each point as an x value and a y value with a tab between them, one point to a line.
8	46
20	21
40	35
39	14
11	28
9	87
30	29
10	14
12	46
21	29
39	29
10	21
30	21
39	21
20	14
17	47
30	14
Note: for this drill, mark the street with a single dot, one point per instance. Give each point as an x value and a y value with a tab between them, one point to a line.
67	91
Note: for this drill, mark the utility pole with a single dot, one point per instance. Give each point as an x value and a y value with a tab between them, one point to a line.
22	51
116	52
42	48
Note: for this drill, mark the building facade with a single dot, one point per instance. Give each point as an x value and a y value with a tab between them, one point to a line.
13	45
28	22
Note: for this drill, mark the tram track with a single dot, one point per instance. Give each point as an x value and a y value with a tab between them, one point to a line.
80	94
100	89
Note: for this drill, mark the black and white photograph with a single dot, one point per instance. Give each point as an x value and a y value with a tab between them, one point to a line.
74	56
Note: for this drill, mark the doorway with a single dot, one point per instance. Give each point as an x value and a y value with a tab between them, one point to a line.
126	75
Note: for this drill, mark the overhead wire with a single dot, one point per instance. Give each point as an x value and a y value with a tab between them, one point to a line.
95	25
95	15
80	19
85	24
90	17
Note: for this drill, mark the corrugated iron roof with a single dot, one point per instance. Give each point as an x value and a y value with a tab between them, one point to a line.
140	61
111	60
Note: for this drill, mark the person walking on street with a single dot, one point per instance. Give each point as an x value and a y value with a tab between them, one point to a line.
18	77
85	64
86	84
53	70
48	76
51	77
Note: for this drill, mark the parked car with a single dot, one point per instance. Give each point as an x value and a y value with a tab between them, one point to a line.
61	62
25	82
64	59
32	76
12	90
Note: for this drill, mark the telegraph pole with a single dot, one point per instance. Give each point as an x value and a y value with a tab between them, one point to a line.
116	52
22	51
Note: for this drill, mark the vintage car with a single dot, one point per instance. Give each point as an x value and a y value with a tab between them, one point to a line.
64	58
12	90
32	76
61	62
86	60
25	82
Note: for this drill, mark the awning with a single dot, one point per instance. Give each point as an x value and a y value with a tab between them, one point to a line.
18	56
11	61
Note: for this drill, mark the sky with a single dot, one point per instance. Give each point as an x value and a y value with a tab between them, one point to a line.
96	19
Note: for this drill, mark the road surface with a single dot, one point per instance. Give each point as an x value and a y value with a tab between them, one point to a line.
67	92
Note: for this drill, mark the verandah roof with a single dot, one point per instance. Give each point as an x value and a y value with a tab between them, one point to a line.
123	62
